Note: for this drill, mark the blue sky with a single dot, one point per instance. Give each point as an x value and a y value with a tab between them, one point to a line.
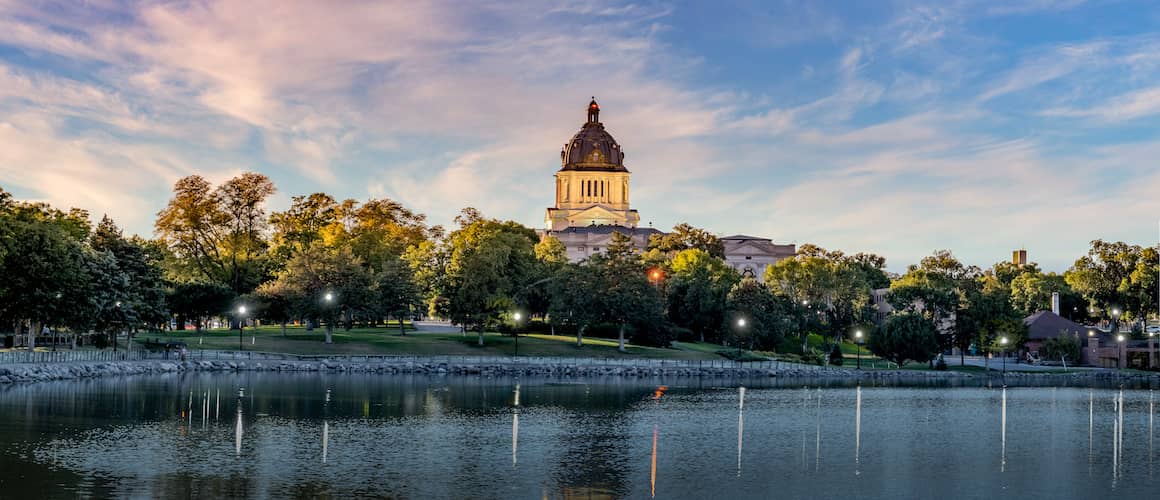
894	127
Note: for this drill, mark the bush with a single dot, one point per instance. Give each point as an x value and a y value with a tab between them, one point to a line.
742	356
789	345
814	357
100	340
836	355
683	334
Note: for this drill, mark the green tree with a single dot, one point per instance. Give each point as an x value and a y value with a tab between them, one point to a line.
697	291
767	317
217	234
628	298
905	336
1117	275
575	298
686	237
490	265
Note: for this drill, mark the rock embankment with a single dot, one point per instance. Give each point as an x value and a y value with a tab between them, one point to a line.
32	372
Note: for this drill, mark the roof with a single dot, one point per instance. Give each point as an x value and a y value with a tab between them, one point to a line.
608	229
1046	325
744	237
592	148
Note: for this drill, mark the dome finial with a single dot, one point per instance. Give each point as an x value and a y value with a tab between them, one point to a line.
593	111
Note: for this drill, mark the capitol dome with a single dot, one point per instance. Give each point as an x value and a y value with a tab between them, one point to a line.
592	148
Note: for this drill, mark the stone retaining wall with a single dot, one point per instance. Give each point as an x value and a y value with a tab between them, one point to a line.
31	372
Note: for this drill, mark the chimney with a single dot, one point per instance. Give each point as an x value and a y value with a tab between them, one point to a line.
1055	302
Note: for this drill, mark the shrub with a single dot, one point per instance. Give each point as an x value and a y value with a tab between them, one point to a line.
836	355
100	340
813	357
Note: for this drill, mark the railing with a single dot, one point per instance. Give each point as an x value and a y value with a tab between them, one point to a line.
207	354
78	356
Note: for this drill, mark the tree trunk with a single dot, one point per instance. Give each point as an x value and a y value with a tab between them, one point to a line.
580	336
33	327
329	331
402	329
621	339
481	335
283	328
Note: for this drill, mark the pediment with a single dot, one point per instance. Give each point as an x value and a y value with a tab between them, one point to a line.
595	213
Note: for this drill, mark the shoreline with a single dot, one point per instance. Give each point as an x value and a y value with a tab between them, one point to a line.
16	373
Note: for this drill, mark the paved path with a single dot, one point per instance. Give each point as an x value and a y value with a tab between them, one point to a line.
435	327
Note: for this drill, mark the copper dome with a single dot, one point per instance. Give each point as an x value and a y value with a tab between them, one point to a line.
592	148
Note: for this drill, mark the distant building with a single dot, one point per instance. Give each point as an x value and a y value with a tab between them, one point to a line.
582	242
1019	257
751	255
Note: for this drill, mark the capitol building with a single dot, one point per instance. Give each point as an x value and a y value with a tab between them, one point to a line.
592	203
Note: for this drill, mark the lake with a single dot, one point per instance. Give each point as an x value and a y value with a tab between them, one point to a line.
269	435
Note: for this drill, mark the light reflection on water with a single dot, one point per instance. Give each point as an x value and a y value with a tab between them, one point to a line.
417	437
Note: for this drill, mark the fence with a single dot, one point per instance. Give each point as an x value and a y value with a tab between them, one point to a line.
207	354
77	356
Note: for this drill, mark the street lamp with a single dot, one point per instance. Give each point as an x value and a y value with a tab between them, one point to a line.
858	341
517	316
1120	351
740	326
329	300
1003	342
241	326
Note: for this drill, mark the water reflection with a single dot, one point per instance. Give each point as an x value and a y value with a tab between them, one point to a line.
516	426
117	439
818	432
740	425
858	431
238	432
1003	435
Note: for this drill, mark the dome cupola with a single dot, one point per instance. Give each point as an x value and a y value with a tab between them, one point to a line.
592	148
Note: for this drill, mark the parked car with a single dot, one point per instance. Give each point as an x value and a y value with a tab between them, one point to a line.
1153	329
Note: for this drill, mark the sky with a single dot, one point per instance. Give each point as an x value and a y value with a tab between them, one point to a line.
893	127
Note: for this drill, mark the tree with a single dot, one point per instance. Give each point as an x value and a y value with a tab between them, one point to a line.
43	264
937	289
1117	275
396	290
905	336
489	266
766	316
198	300
327	283
141	263
685	237
575	298
277	300
1062	347
697	292
1031	292
828	289
217	234
628	299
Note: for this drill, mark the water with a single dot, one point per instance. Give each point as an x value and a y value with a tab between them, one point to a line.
343	436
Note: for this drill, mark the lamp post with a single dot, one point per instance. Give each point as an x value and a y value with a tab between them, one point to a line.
241	326
1003	350
740	327
328	299
858	341
517	316
1120	351
117	305
1115	321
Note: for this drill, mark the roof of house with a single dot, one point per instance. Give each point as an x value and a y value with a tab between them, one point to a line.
1046	324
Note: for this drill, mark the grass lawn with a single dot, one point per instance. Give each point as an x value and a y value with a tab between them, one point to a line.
387	341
